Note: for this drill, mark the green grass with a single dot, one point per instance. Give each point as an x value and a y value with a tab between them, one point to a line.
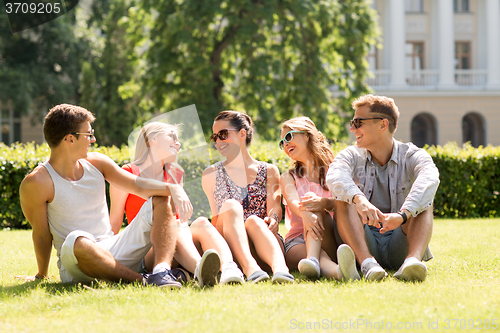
463	283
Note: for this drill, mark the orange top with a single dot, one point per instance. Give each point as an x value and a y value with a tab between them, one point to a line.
173	175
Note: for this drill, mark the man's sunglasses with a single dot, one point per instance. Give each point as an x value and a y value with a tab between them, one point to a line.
357	122
90	135
222	135
288	137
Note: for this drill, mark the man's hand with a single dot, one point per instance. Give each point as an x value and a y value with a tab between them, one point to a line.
370	214
272	224
181	201
391	222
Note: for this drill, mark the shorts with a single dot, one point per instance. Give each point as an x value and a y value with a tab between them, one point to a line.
128	247
294	241
391	248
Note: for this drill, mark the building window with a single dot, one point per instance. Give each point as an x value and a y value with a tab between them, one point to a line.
462	55
423	130
414	55
11	126
473	129
414	6
372	58
461	6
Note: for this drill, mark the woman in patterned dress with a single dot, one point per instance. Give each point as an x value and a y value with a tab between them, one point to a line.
244	197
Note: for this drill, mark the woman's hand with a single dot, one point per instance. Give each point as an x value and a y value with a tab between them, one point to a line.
312	223
272	224
311	202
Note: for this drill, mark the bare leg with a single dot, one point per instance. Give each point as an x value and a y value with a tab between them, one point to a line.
163	233
351	229
418	231
208	237
266	244
186	253
230	223
328	268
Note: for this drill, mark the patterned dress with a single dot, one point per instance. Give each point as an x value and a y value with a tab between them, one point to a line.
253	197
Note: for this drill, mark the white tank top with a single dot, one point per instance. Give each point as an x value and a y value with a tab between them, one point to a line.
78	205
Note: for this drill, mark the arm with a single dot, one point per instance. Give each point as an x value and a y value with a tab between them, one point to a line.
273	198
425	185
35	191
208	184
118	198
142	187
309	219
339	177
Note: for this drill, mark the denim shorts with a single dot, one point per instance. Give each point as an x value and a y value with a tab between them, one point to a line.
294	241
391	248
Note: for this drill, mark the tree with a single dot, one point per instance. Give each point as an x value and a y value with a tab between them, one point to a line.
274	59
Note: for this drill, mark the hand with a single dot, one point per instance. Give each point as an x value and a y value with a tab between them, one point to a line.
273	225
370	214
314	224
181	201
26	278
311	202
391	222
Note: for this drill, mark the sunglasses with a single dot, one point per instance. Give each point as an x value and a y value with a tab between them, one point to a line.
222	135
288	137
358	121
90	135
174	136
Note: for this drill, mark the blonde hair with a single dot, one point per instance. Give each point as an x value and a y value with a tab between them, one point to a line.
148	133
318	147
382	105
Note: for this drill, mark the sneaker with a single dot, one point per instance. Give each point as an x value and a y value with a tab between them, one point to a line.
259	276
181	275
373	271
231	274
163	279
282	277
207	268
347	263
309	267
412	270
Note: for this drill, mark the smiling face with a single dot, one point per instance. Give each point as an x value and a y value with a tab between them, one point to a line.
83	142
368	134
231	145
296	148
165	146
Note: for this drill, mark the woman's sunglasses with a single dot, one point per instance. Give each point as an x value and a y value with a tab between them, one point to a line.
222	135
358	121
288	137
174	136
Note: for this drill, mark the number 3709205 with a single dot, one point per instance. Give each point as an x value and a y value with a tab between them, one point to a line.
471	324
32	8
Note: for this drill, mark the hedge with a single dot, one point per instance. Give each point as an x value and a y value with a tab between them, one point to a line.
470	177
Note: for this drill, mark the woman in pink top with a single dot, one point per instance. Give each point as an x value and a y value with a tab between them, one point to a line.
310	244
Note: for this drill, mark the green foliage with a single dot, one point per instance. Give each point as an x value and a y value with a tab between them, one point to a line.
469	176
273	59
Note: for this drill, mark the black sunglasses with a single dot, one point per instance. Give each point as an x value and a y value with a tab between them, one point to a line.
357	122
287	138
90	135
174	136
222	135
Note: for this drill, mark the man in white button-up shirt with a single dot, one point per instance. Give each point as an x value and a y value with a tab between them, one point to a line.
384	191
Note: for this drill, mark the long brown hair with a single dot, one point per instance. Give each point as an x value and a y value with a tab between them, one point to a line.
318	147
239	120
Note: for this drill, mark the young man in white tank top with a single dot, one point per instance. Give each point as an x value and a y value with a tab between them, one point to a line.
64	200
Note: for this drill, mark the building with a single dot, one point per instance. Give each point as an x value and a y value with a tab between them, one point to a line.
440	61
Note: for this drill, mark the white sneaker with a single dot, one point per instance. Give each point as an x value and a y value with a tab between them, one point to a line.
309	267
412	270
207	268
347	263
373	271
231	274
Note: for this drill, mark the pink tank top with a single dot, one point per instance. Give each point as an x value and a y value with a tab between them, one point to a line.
293	222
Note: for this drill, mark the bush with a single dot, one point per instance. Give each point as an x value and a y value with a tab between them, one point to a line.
470	177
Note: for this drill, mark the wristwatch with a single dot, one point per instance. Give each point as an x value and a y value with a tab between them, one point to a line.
403	215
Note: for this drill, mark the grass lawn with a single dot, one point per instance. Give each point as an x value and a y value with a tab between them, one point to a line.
461	293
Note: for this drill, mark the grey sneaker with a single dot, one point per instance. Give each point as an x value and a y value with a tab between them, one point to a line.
347	263
181	275
231	274
163	279
412	270
258	276
373	271
207	268
309	267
